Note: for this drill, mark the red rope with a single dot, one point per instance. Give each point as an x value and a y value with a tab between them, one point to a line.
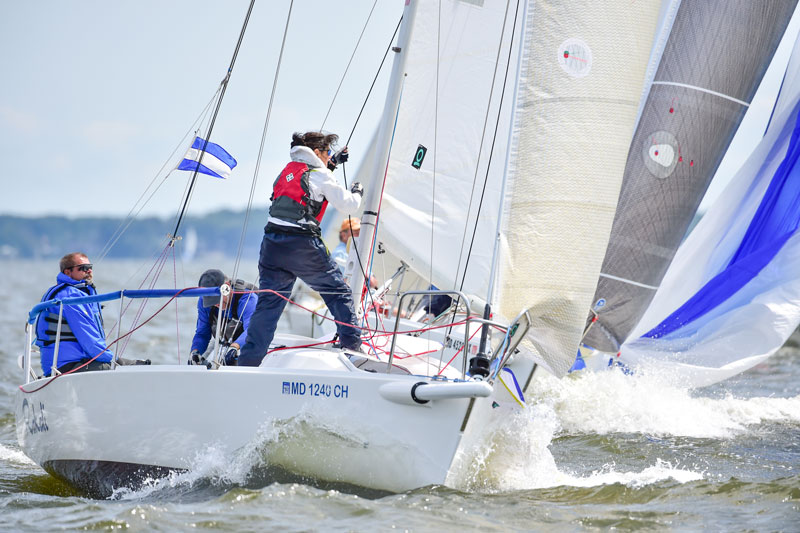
376	332
162	260
457	352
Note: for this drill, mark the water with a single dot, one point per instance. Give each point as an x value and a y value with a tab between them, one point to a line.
592	452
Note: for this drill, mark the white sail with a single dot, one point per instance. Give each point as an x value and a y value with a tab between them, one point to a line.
579	96
559	85
732	295
449	107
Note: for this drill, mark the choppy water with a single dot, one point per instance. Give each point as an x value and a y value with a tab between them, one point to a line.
591	452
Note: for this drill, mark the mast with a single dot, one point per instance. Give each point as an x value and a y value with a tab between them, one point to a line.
374	189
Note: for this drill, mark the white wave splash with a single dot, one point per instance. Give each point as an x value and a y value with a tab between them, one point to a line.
516	453
517	457
213	465
611	402
305	436
14	457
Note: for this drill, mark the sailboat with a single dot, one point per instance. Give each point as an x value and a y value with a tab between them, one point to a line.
532	102
693	106
731	297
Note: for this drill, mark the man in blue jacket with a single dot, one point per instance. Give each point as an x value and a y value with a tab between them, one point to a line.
238	306
82	337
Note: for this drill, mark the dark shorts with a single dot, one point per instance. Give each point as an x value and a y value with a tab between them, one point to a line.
94	365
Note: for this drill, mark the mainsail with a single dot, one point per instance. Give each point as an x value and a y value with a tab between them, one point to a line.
516	116
714	59
447	119
732	295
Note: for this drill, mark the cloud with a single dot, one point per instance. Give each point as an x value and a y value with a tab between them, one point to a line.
19	120
109	133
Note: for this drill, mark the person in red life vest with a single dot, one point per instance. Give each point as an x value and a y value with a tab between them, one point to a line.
292	248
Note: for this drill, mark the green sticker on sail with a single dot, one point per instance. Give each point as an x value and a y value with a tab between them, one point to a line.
419	156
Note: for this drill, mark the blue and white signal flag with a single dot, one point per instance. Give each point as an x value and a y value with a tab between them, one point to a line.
216	161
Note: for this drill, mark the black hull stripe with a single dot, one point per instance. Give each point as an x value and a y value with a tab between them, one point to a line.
99	479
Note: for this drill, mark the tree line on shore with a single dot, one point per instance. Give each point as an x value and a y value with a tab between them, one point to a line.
44	237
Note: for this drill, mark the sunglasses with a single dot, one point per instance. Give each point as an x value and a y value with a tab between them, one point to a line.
83	268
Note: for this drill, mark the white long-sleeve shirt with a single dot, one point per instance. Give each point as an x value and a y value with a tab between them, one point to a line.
322	185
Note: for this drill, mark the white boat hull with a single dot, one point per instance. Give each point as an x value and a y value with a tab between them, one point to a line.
102	430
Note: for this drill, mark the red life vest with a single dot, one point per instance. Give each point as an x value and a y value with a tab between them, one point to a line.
291	197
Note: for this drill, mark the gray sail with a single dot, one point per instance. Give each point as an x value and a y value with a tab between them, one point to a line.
713	62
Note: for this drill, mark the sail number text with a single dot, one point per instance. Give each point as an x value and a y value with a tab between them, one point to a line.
325	390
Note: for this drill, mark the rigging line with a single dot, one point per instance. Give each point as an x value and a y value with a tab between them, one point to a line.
139	269
261	146
214	116
344	75
429	297
386	53
186	191
435	144
126	222
156	270
494	136
132	220
383	187
386	173
177	322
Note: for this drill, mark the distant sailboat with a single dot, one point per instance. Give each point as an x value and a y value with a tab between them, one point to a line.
189	244
712	62
731	297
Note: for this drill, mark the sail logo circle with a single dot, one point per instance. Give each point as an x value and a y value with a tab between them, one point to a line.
575	57
660	153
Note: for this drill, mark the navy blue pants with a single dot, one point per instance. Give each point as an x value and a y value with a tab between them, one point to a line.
284	258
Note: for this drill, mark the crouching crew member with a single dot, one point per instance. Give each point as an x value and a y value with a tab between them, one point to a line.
237	312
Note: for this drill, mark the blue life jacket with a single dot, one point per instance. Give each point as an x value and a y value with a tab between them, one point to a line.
75	345
47	321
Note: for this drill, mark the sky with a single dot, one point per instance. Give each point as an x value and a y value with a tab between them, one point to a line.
97	95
